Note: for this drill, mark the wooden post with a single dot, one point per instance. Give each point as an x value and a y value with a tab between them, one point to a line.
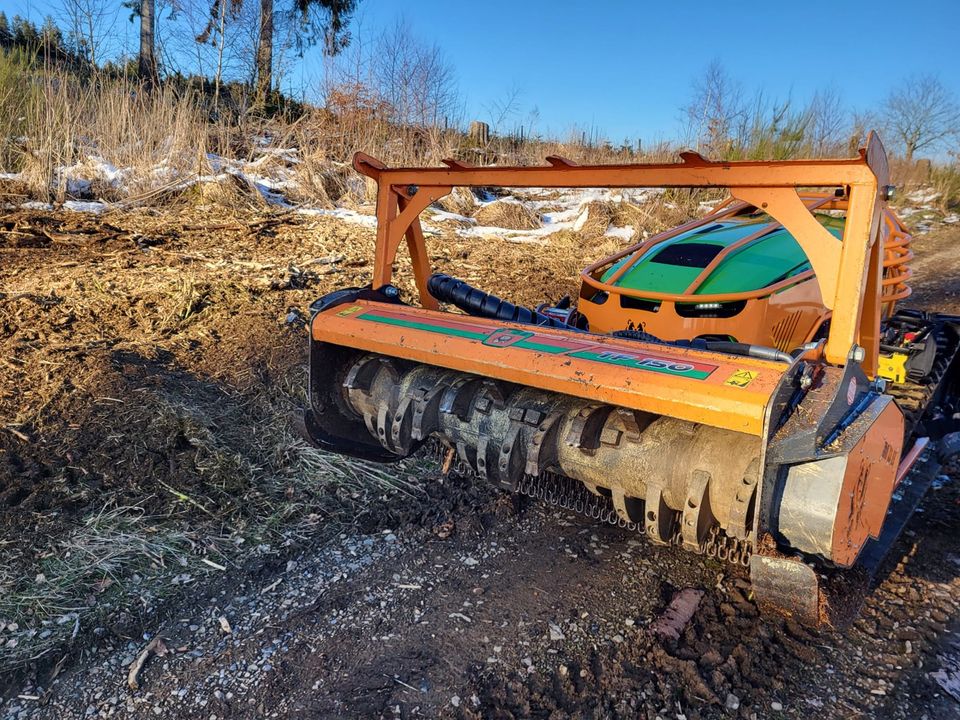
480	133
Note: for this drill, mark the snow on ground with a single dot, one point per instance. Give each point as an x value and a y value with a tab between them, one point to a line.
924	196
621	233
274	175
351	216
567	211
81	206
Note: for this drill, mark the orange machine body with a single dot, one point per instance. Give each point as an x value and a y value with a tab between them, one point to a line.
733	441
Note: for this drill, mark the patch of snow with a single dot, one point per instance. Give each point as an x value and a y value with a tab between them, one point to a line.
621	233
561	216
79	186
79	178
923	196
350	216
88	207
581	220
10	176
952	218
34	205
440	215
568	211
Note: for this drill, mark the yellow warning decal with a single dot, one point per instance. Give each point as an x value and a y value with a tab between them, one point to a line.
742	378
348	311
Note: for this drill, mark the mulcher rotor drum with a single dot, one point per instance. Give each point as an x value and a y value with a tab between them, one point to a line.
657	469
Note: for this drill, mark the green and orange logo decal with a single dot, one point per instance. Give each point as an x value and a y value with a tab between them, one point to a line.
575	347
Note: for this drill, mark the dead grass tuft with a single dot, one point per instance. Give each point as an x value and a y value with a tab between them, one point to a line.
460	201
600	216
507	214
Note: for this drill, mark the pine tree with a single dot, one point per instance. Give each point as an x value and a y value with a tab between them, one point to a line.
51	36
6	37
25	33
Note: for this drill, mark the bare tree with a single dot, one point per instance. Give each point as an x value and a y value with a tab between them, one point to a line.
921	113
505	107
88	23
413	78
716	114
826	122
215	33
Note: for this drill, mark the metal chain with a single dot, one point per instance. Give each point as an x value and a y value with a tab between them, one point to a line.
565	492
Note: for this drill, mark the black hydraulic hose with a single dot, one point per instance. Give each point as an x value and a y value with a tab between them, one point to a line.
482	304
757	351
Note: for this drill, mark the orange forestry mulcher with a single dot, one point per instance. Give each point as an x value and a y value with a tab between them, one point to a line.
743	386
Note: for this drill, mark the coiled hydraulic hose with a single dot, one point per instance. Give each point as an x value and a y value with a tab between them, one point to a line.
483	304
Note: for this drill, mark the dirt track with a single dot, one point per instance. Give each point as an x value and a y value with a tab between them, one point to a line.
453	600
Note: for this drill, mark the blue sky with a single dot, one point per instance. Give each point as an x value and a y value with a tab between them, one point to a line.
626	68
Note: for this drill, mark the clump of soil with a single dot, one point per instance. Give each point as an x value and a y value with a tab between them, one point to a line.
507	214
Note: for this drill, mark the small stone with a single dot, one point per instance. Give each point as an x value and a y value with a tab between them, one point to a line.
563	670
618	638
527	662
776	706
733	702
556	633
455	701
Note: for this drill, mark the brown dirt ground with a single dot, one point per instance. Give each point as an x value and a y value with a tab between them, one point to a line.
151	361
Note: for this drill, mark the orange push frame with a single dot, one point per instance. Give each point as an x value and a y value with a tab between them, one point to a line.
849	272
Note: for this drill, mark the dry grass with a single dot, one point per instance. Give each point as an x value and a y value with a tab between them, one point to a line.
508	214
147	428
113	134
460	201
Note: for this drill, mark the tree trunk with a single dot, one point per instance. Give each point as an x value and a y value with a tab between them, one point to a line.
147	66
265	53
221	42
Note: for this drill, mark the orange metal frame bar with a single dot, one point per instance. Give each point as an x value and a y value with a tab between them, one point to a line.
849	272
